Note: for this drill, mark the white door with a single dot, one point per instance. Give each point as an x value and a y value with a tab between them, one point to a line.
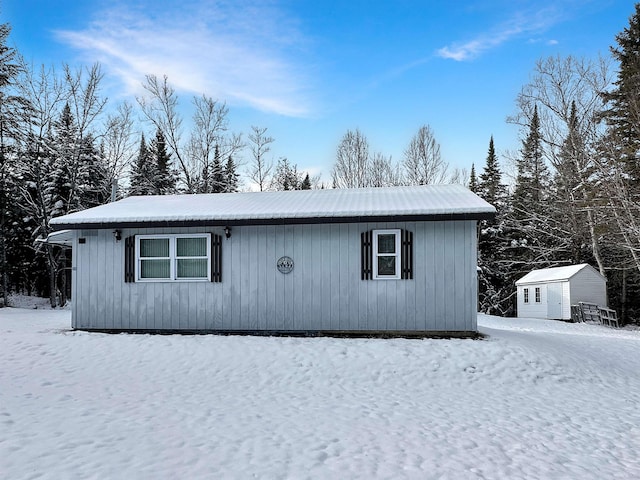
554	300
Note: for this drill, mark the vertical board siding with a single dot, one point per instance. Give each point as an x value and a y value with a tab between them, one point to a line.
323	292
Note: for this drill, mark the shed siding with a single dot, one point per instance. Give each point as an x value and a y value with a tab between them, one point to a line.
532	309
323	292
588	286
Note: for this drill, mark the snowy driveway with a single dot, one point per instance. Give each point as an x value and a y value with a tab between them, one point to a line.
537	399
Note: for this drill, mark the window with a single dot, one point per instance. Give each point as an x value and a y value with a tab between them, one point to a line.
386	254
526	295
173	257
537	294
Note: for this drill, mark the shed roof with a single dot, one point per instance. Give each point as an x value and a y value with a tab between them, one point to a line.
554	274
426	202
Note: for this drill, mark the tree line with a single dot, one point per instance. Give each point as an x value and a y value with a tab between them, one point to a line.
575	182
568	195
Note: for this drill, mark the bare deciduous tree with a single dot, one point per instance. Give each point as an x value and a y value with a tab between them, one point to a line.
352	167
260	168
118	143
383	172
423	163
210	125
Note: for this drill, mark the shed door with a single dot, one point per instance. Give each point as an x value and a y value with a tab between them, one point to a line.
554	300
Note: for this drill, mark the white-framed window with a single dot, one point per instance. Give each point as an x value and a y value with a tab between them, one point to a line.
173	257
386	254
537	294
526	295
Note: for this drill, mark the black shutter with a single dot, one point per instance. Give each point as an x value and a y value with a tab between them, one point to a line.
130	259
216	258
406	255
366	255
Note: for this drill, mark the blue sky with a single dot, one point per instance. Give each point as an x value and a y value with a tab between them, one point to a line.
311	70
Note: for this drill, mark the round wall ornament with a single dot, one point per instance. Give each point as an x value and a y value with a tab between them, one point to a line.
285	264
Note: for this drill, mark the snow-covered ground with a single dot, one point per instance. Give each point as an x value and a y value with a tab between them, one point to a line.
536	399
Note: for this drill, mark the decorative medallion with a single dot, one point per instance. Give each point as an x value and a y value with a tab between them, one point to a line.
285	264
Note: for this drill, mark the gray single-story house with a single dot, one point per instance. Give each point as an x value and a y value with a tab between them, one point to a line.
396	261
550	292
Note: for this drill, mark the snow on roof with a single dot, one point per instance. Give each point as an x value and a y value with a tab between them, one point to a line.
555	274
294	206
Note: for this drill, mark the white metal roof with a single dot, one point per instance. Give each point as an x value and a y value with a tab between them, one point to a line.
555	274
299	205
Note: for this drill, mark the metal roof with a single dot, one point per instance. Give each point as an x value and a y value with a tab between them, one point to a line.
554	274
426	202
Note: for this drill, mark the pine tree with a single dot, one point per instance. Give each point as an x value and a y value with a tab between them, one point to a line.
495	283
473	180
231	176
490	186
532	180
143	172
12	108
218	180
623	114
165	177
306	183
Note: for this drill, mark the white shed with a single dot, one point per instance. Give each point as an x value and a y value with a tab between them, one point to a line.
550	292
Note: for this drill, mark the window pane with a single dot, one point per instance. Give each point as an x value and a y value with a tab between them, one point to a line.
386	265
191	247
192	268
154	247
387	243
155	268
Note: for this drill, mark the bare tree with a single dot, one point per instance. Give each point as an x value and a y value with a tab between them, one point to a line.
352	167
118	143
260	168
460	176
208	138
194	160
383	171
423	163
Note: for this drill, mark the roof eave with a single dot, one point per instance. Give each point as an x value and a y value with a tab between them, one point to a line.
273	221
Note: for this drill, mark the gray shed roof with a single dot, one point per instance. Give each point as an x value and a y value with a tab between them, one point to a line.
554	274
426	202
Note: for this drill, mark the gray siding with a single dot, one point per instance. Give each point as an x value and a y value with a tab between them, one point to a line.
588	286
323	292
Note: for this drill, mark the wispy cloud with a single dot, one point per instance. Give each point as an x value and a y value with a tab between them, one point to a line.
521	23
240	52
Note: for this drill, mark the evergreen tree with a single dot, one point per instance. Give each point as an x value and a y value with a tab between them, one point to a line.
12	108
473	181
623	114
495	282
231	176
306	183
165	178
490	186
286	176
532	180
143	172
570	201
218	180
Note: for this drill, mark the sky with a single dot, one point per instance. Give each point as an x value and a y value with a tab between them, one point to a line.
310	71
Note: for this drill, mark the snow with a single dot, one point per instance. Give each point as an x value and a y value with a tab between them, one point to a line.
535	399
299	204
554	274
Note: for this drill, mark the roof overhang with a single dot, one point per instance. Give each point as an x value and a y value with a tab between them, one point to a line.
63	238
474	216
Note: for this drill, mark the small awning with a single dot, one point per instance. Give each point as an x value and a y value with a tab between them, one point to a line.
62	238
